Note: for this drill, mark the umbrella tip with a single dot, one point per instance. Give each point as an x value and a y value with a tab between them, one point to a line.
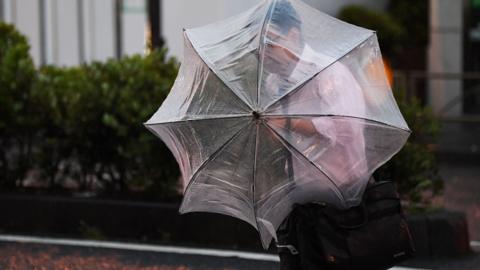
256	115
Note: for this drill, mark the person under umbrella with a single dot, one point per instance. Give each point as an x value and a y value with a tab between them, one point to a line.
280	63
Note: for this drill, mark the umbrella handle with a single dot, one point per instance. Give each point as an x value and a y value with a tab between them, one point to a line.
290	249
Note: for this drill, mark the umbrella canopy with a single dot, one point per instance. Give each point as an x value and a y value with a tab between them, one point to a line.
281	104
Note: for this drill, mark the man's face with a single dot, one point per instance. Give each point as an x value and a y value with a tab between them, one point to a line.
280	59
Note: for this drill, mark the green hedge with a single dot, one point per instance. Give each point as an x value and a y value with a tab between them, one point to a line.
84	123
17	76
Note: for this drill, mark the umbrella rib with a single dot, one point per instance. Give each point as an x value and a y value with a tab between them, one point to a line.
300	84
288	145
213	156
254	177
261	47
200	119
335	115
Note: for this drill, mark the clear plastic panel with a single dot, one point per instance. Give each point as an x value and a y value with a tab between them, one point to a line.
230	49
299	41
356	86
197	93
284	177
347	149
225	184
193	142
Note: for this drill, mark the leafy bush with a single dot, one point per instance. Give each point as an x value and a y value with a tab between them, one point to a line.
17	74
56	92
84	123
95	124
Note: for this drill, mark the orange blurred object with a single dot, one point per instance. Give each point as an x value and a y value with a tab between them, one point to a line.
375	72
388	71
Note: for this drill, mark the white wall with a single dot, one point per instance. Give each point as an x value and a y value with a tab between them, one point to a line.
67	33
134	21
99	34
28	22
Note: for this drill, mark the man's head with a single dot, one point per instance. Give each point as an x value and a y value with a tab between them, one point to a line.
284	39
286	17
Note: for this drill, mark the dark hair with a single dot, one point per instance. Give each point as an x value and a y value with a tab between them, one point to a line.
285	16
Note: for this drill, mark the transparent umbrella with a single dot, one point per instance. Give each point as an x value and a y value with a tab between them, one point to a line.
281	104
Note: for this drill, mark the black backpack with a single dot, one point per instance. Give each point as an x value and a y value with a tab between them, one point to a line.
372	236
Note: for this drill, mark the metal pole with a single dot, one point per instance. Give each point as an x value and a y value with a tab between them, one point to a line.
1	11
154	11
81	39
118	28
43	33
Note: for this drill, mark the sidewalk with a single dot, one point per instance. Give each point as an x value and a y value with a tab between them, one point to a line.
19	253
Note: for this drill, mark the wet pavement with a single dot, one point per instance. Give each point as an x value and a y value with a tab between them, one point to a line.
462	193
